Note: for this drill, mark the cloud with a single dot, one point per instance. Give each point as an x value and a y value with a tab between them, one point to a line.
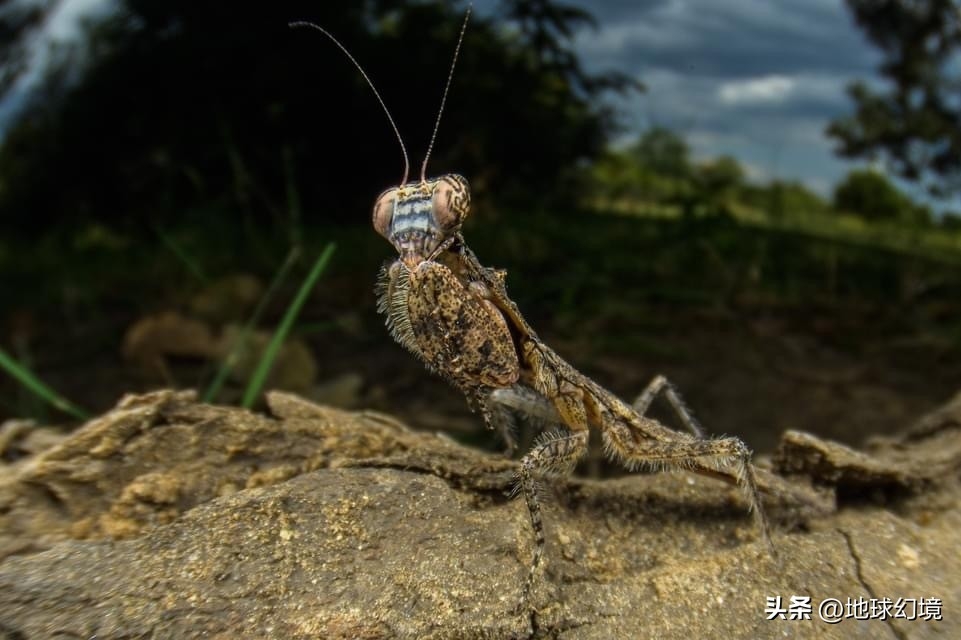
735	38
767	89
756	79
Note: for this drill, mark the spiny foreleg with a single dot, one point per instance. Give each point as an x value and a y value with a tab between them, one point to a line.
722	457
535	406
554	452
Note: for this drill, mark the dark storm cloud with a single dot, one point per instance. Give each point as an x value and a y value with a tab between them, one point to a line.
757	79
729	38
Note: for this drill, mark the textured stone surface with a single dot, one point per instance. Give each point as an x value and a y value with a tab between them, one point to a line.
169	519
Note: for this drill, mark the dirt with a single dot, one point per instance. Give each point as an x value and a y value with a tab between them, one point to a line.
167	518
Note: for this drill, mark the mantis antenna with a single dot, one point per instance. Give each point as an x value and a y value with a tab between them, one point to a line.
443	100
403	149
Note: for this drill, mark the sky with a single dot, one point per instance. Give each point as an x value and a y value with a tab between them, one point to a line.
62	25
756	79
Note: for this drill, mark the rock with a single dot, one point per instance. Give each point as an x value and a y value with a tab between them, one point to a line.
294	367
154	340
170	519
343	391
21	439
927	453
227	298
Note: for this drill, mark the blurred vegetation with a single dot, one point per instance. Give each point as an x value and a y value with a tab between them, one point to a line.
177	142
914	120
193	143
655	177
184	109
872	196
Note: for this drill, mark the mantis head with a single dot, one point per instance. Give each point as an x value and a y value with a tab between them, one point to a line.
421	218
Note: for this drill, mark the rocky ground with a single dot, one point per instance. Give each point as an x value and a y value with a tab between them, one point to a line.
166	518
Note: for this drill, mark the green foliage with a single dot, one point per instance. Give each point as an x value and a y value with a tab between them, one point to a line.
657	170
621	178
238	347
871	195
719	180
654	178
785	201
256	382
716	263
663	152
914	123
28	380
951	221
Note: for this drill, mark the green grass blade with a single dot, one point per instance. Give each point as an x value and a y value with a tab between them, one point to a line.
192	265
25	377
237	348
270	354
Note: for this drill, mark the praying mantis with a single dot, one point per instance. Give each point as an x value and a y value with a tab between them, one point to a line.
452	312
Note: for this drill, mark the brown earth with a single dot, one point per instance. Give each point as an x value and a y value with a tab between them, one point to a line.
166	518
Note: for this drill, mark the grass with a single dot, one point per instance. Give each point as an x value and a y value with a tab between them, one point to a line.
32	383
850	229
572	271
190	264
256	383
36	271
240	344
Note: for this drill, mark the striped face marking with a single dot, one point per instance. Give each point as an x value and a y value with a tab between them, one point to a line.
421	218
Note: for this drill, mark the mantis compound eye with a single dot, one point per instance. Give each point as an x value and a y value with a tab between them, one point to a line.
451	202
384	211
420	218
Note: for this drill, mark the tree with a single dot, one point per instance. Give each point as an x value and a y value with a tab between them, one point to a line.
951	221
182	108
916	123
717	181
663	152
793	201
720	176
871	195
